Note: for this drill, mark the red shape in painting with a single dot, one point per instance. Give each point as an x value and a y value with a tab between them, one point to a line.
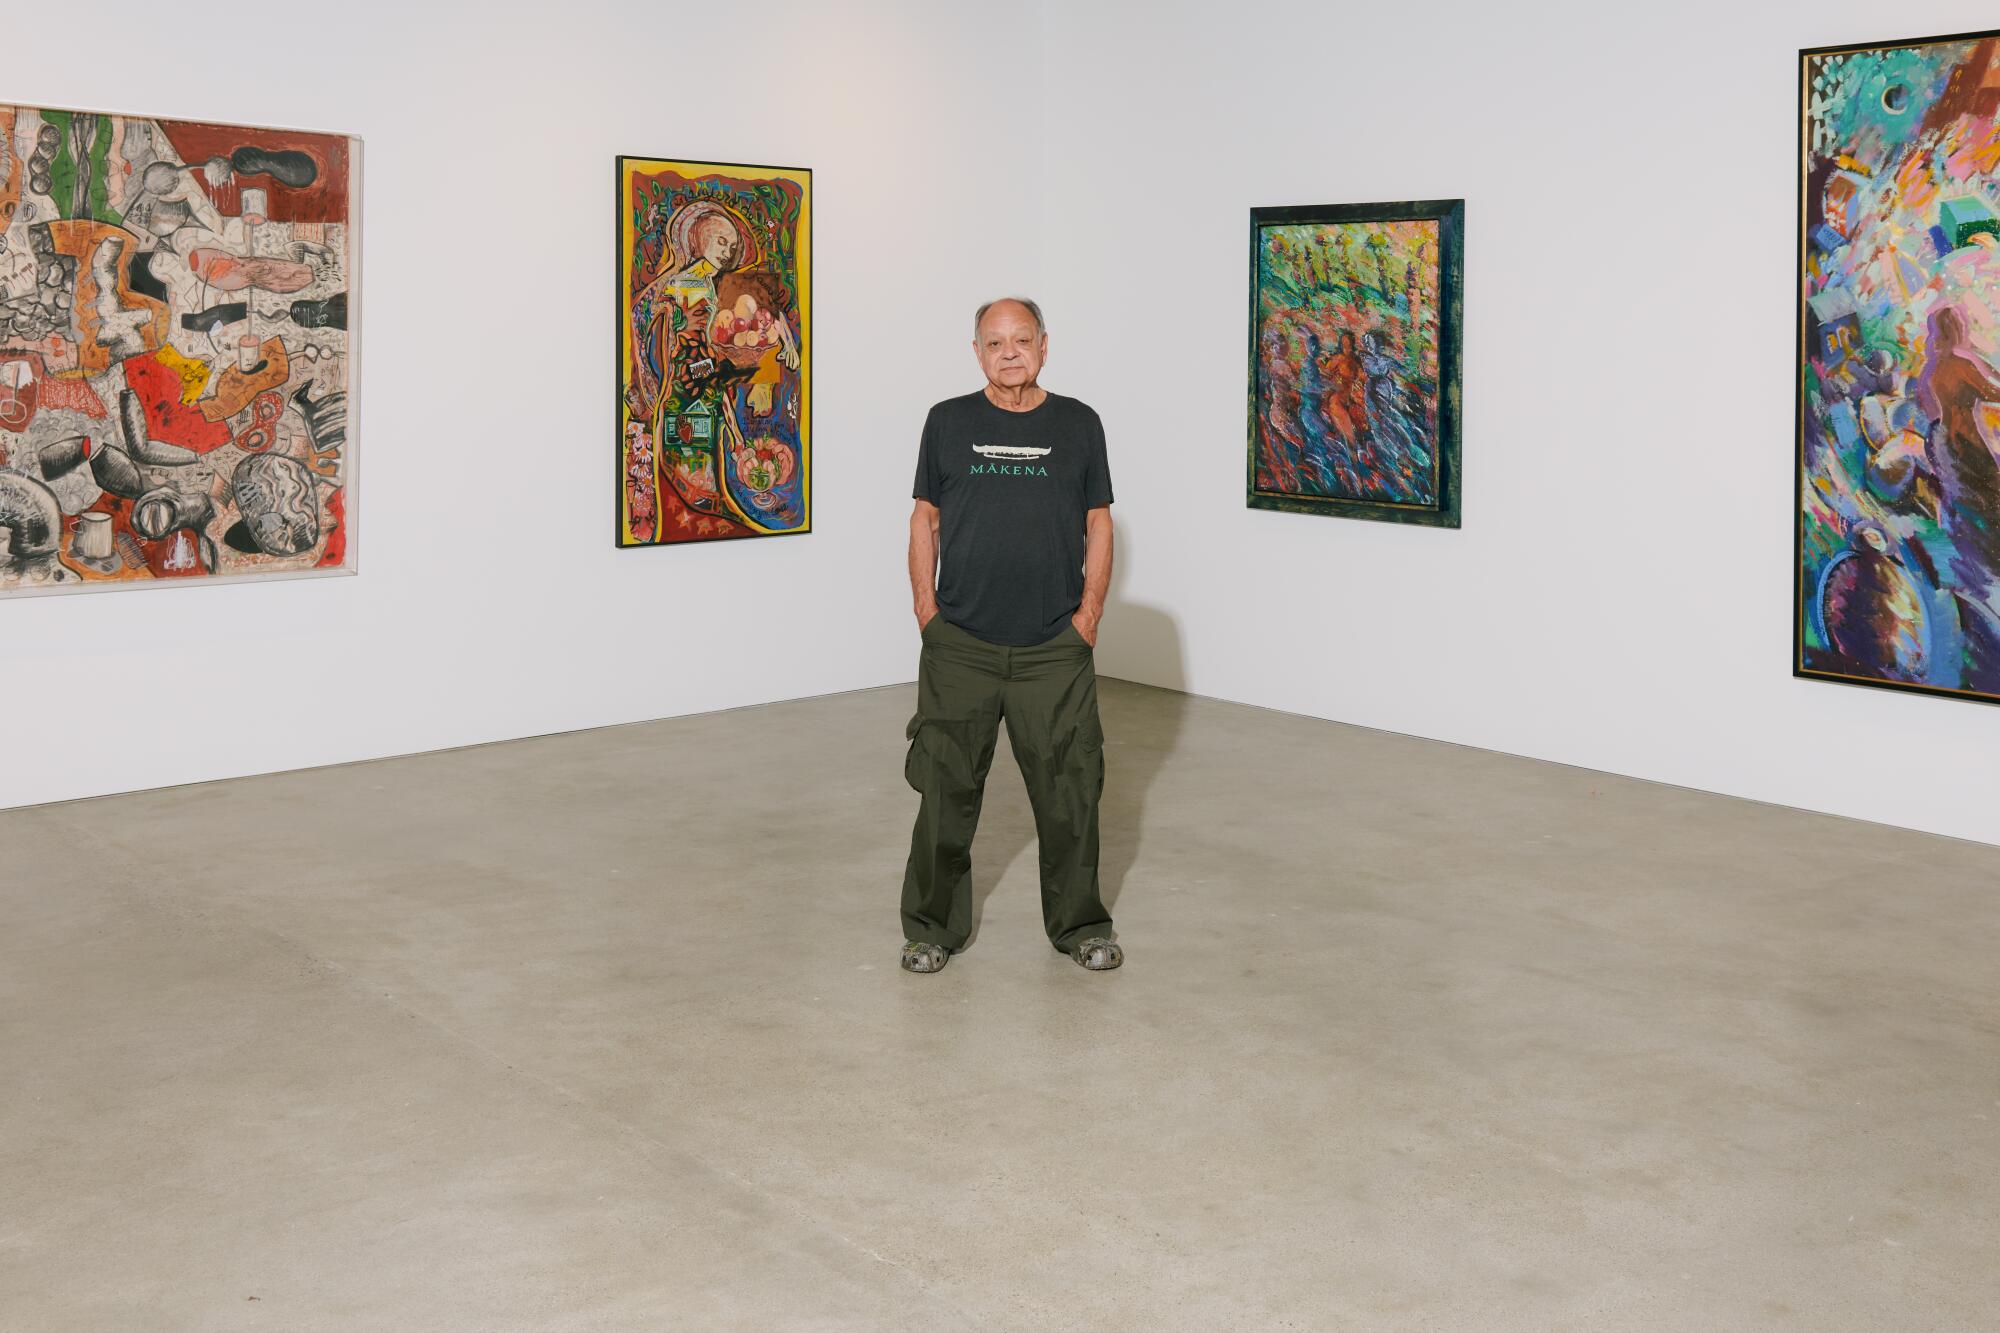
336	540
325	200
167	418
176	555
73	396
678	523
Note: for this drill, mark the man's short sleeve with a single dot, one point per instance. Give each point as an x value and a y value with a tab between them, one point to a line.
929	483
1097	476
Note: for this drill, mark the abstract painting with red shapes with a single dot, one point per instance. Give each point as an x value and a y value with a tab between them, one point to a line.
714	352
176	304
1354	326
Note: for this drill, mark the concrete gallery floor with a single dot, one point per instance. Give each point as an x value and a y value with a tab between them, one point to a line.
605	1031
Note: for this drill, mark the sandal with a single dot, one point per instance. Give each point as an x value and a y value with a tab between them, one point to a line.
924	957
1097	954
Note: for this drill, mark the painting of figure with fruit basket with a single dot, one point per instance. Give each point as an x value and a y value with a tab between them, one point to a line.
714	344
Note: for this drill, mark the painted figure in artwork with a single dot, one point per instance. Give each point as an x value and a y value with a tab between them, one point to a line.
709	296
1955	385
676	364
1326	436
714	382
1394	424
1340	371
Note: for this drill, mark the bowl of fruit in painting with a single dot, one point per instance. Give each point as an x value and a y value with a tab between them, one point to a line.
744	332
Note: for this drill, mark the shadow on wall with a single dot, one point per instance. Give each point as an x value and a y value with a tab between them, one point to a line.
1142	726
1139	643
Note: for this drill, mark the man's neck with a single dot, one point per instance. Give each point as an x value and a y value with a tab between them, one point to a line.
1026	398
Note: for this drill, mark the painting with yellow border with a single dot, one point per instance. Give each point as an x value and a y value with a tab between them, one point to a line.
714	351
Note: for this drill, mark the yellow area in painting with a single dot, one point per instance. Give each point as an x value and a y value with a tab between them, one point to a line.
193	373
629	167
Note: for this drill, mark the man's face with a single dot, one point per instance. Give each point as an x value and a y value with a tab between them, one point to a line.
1010	351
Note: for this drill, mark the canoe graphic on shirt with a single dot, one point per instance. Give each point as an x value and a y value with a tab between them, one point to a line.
1008	451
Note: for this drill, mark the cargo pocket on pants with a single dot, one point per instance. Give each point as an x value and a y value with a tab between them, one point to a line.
1090	748
1081	765
916	766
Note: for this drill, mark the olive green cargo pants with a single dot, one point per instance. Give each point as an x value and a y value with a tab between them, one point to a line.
1048	694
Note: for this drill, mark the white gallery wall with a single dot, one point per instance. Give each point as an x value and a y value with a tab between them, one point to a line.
490	601
1620	594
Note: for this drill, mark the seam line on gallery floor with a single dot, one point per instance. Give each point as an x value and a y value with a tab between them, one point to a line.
896	685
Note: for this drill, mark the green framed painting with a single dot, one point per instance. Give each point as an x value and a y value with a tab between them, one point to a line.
1355	316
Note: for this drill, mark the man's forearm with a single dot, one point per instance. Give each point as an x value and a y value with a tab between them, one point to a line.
923	567
1096	568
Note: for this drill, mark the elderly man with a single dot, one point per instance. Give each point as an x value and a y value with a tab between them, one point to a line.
1010	557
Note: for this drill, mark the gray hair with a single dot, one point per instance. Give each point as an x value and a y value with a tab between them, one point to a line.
979	316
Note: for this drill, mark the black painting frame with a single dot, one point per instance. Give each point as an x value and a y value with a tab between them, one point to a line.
618	353
1450	217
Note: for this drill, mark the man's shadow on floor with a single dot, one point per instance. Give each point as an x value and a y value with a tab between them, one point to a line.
1141	697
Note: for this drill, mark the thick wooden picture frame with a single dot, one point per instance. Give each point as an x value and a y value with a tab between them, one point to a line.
1354	399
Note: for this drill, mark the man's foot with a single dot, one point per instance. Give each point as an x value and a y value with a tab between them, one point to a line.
926	957
1097	954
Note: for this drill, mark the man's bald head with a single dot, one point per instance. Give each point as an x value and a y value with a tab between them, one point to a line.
1010	305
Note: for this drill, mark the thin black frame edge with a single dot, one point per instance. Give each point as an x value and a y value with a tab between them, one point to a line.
1448	513
1841	48
618	542
1797	647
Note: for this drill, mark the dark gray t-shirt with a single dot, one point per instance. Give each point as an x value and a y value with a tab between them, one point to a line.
1012	489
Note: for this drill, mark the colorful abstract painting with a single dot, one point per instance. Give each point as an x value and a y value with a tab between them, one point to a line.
176	303
1898	523
1354	360
715	351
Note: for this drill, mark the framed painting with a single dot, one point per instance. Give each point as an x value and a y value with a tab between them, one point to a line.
714	352
178	308
1896	563
1355	314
